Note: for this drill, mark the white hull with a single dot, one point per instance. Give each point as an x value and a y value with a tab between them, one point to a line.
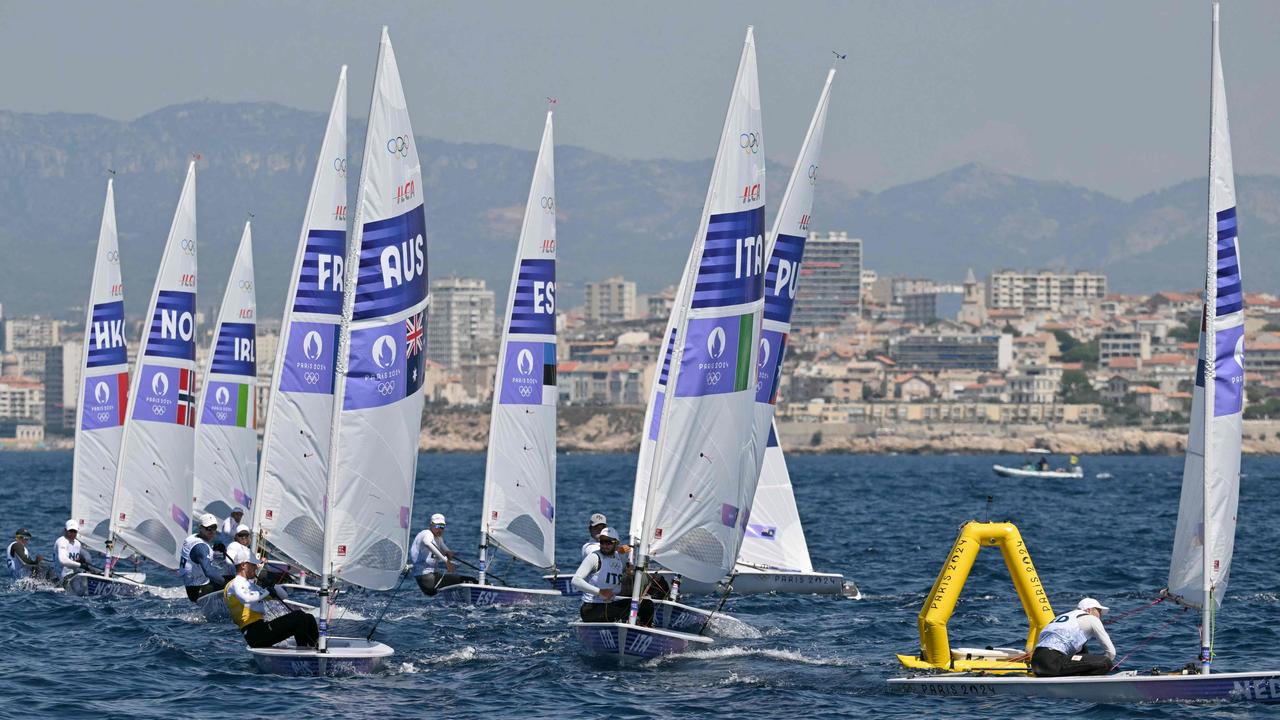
762	582
345	656
1121	688
475	594
1009	472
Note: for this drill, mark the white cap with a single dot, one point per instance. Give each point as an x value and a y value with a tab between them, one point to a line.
1090	603
598	519
71	525
208	520
238	554
242	528
437	519
607	533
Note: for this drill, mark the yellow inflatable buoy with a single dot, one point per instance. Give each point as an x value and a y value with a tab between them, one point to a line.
935	650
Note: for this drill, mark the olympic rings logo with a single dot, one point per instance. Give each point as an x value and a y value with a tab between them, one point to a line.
813	173
398	146
749	142
113	256
340	164
220	414
386	388
525	391
246	284
548	203
157	410
713	378
102	416
311	378
188	246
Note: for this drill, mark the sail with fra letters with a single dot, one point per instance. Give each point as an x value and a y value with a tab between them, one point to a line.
226	469
104	389
152	503
381	351
706	456
288	511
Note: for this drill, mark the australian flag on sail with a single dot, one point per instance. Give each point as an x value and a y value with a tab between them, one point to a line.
534	311
234	353
393	265
320	277
173	327
781	278
415	340
731	271
106	335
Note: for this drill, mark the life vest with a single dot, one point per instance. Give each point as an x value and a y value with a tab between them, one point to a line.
192	574
242	614
1064	634
73	554
16	567
608	574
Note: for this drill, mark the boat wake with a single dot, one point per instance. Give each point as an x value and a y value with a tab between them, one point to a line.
725	626
730	653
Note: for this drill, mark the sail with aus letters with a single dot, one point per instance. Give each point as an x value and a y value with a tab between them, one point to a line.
226	469
152	503
288	511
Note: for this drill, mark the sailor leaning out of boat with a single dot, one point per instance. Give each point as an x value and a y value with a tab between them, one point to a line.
244	599
1066	637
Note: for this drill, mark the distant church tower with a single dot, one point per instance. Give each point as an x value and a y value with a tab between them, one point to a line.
973	306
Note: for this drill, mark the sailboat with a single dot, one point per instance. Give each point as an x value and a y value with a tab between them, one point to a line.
519	514
288	506
1205	534
774	555
377	414
104	394
700	458
152	500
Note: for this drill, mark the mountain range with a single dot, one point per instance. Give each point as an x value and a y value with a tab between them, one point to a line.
630	217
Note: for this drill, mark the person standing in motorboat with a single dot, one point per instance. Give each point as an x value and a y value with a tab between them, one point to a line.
231	525
72	558
1066	636
599	579
244	599
21	564
195	563
426	555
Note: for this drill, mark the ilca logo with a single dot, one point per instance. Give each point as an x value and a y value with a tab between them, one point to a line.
101	392
312	345
398	146
749	142
384	352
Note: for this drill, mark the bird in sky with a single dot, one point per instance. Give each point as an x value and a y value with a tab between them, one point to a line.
839	56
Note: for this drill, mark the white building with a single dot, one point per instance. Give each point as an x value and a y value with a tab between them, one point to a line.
21	399
1043	290
31	333
461	320
612	300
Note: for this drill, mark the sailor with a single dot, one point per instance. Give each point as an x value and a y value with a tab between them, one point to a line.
231	525
599	579
1043	465
21	564
71	557
427	553
244	599
195	563
597	523
1066	636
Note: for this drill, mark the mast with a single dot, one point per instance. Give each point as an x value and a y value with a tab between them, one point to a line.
1208	335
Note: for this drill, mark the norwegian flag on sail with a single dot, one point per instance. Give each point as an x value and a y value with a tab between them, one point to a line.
186	398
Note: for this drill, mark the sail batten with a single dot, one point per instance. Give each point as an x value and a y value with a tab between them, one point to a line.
292	485
518	513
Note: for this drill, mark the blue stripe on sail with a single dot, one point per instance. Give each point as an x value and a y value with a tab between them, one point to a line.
172	332
666	358
235	350
773	438
106	335
534	308
1230	308
1228	213
320	277
1199	372
781	277
730	271
1230	291
393	265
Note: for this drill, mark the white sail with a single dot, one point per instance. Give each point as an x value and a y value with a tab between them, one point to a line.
104	389
226	469
707	457
381	351
152	502
774	502
520	472
289	508
1202	546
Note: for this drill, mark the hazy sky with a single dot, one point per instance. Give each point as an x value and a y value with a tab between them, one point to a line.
1109	95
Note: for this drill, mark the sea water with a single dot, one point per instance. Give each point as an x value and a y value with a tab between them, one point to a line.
886	522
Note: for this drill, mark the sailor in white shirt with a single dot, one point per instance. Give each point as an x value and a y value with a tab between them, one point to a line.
599	579
597	523
71	557
1066	636
431	560
228	530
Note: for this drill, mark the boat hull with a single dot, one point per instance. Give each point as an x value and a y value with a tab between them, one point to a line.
563	583
1261	687
632	643
345	656
475	594
762	582
94	585
1009	472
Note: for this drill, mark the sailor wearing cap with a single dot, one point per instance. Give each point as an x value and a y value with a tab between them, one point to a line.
427	553
229	526
244	599
71	557
599	579
21	564
1066	636
195	562
597	523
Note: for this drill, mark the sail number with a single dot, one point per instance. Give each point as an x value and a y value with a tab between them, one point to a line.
748	256
544	297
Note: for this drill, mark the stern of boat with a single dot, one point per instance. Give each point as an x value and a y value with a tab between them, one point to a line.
344	657
475	594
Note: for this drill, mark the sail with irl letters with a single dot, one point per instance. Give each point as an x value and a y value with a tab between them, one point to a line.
104	389
774	538
288	511
152	502
1203	543
226	469
381	351
706	456
520	473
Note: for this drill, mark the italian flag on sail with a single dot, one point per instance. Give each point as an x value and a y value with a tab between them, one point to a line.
230	404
